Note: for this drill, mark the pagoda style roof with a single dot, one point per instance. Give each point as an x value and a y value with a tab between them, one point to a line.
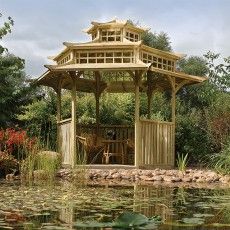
114	23
116	46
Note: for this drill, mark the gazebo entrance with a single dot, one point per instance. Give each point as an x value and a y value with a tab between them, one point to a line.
116	61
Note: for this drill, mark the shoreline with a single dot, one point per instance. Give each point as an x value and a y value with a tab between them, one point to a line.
190	177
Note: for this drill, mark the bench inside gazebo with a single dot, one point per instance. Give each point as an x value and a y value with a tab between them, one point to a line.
116	61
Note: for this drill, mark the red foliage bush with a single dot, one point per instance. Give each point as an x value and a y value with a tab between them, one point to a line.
14	146
12	140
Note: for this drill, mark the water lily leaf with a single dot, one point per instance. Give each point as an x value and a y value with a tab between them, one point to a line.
193	220
92	224
200	215
130	219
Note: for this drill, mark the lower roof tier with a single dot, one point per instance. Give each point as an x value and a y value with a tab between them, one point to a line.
116	78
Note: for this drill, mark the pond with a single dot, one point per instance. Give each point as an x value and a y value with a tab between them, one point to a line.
61	205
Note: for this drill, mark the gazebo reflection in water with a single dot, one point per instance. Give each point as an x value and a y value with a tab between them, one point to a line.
147	200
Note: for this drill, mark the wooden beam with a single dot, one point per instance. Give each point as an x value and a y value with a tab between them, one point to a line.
180	85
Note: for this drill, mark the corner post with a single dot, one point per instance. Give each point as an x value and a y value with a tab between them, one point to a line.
137	79
57	89
97	97
73	130
149	93
173	104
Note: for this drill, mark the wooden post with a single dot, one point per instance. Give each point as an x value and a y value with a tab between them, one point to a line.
137	117
173	101
149	92
173	104
73	129
97	97
58	116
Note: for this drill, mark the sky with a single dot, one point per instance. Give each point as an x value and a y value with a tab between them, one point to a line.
194	26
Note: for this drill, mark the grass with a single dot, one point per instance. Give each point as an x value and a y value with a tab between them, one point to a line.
182	162
221	161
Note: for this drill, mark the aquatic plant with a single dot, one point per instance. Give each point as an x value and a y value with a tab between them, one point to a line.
126	220
182	162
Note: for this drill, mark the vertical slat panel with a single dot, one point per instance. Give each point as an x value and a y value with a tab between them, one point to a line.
156	144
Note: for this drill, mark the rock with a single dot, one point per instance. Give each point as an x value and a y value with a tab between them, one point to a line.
157	178
186	179
167	179
51	154
39	174
176	179
225	179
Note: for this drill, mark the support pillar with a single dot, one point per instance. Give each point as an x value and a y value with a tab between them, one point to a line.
73	130
137	78
97	97
58	115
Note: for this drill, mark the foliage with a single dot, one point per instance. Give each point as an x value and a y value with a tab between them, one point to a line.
14	147
218	72
221	161
159	41
15	142
7	163
182	162
4	30
14	90
40	119
203	110
155	40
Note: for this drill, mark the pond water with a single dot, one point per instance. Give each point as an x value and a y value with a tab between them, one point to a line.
61	205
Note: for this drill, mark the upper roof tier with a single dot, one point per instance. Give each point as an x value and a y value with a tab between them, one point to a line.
115	30
115	46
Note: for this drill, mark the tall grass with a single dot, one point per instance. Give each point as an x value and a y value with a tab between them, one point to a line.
221	161
182	162
38	162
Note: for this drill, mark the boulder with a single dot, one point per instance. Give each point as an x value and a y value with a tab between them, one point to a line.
50	154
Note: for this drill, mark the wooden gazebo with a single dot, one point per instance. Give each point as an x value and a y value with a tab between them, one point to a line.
116	61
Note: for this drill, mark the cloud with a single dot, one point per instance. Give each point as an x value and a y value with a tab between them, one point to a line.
41	26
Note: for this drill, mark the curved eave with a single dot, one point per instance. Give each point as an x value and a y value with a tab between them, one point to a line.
113	24
103	66
191	78
162	53
101	44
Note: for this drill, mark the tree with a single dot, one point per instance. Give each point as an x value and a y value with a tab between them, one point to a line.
218	71
159	41
14	90
4	30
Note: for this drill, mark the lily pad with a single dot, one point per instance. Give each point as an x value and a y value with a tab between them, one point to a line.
130	219
193	220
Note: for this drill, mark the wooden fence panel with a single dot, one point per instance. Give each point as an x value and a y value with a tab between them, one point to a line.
156	147
64	141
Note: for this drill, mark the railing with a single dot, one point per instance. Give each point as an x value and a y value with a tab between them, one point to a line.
64	137
106	132
113	132
155	141
156	144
